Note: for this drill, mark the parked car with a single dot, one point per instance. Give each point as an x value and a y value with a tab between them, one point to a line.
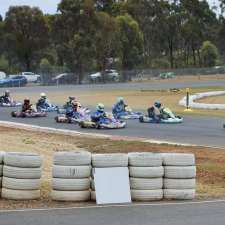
31	77
2	75
17	81
167	75
65	78
110	75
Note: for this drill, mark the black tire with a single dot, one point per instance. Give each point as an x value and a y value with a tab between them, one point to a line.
13	114
81	124
141	119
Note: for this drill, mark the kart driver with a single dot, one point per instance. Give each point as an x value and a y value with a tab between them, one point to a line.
99	114
5	98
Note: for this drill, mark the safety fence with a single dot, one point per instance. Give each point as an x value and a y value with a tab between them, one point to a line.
153	176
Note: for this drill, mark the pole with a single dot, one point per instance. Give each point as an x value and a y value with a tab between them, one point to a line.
188	109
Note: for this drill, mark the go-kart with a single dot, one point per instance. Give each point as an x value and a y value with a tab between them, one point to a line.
50	108
127	114
83	114
172	119
175	120
32	114
104	123
11	104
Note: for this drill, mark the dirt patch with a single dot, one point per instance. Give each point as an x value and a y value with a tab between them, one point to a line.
213	100
210	162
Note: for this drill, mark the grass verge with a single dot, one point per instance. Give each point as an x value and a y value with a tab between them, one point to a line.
210	162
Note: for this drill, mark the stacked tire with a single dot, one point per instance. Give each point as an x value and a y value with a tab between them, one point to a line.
107	161
21	176
1	168
71	176
180	173
146	176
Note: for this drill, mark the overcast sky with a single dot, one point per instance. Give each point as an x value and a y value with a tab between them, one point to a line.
48	6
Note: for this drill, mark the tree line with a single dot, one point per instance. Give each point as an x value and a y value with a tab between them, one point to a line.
93	35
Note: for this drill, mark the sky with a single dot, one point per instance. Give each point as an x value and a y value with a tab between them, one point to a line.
47	6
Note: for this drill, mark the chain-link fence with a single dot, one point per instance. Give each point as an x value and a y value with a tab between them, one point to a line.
112	75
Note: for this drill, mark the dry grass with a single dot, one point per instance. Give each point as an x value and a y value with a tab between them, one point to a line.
210	162
213	100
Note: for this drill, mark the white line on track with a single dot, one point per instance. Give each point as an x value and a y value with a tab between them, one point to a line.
116	206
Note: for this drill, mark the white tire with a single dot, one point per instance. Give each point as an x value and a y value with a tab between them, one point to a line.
146	183
21	173
21	184
71	171
180	172
186	194
72	158
20	194
179	183
178	159
146	172
24	160
109	160
146	195
71	196
143	159
93	196
1	170
70	184
93	184
2	154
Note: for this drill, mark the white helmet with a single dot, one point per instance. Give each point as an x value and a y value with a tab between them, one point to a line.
43	95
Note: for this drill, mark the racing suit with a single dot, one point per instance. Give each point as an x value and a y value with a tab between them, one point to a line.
5	99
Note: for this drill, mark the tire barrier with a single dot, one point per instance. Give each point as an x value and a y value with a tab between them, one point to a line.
107	161
146	176
193	98
180	173
153	176
71	176
21	176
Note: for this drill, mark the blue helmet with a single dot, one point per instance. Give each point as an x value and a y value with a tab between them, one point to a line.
157	104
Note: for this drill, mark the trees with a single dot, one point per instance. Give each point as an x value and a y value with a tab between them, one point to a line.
76	41
131	42
209	54
106	40
27	34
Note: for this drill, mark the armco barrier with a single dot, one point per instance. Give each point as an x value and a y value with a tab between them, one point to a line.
197	96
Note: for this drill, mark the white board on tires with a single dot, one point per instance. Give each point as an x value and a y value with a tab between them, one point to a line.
112	185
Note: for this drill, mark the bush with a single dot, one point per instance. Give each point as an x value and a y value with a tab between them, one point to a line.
160	64
209	53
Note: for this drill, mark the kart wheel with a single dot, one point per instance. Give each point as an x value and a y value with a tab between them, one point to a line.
57	119
141	119
13	114
81	124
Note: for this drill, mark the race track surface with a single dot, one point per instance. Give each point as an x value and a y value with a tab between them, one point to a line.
194	130
133	85
177	214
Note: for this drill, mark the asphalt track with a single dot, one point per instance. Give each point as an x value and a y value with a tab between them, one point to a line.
134	85
156	214
194	130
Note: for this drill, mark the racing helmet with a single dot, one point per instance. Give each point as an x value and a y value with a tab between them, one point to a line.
120	99
100	107
26	101
43	95
71	98
7	93
74	103
157	104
